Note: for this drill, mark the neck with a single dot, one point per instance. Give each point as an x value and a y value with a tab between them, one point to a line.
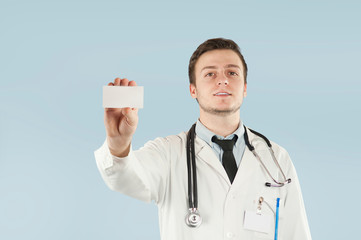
219	124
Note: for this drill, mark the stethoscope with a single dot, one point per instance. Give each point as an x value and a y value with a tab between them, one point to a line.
193	218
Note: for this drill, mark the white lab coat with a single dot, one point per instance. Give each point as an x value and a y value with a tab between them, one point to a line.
158	172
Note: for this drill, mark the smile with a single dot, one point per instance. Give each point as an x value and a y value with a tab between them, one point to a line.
222	94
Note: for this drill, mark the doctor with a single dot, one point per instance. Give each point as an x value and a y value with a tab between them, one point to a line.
233	200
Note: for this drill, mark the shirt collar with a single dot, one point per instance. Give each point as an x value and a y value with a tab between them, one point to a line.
206	135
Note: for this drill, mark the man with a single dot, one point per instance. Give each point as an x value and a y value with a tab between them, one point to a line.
233	201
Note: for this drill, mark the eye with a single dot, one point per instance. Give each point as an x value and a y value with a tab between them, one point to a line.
210	74
233	73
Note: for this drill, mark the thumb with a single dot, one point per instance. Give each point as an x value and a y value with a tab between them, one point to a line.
131	115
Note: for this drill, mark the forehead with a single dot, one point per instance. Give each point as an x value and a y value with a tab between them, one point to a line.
218	58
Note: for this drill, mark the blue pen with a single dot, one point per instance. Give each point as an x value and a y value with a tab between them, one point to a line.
276	225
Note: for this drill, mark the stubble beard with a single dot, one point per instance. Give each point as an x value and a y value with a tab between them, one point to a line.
219	112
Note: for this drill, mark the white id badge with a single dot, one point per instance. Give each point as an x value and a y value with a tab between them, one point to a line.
257	222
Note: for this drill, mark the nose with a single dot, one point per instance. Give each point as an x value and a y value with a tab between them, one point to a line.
222	79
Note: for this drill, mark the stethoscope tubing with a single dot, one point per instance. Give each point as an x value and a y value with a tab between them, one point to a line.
192	170
252	149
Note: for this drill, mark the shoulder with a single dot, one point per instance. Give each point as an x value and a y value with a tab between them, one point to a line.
179	138
261	145
173	139
278	148
260	140
168	142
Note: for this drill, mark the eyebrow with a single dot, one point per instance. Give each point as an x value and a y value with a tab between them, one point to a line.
227	66
233	66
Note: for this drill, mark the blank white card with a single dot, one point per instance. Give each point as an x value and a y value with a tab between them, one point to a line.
123	96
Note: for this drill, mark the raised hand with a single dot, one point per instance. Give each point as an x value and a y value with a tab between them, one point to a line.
120	124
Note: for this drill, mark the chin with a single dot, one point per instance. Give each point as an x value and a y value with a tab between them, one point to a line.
225	111
220	111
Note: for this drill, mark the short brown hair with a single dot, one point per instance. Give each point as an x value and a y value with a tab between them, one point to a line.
214	44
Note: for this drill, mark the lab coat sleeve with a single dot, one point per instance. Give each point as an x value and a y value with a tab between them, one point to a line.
142	174
294	225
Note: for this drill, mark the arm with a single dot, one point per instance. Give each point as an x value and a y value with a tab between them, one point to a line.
120	175
140	174
143	174
294	225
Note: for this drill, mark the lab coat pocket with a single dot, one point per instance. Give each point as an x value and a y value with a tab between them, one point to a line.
266	204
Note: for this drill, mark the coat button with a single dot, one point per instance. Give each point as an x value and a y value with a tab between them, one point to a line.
229	235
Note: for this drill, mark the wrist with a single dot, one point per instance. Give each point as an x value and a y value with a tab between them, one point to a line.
119	148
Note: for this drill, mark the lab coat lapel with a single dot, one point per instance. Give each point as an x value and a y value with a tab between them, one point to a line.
205	153
247	168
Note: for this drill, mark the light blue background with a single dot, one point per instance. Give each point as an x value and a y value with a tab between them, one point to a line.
304	92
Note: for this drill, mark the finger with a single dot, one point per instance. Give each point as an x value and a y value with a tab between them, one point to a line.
110	109
117	82
124	82
132	83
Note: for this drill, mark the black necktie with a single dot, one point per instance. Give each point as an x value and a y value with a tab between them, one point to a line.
228	160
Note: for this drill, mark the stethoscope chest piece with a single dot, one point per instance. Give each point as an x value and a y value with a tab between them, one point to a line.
193	219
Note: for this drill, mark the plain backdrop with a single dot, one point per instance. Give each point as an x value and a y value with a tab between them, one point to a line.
304	92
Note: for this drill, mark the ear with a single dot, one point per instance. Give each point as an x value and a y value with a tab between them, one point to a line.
193	90
245	90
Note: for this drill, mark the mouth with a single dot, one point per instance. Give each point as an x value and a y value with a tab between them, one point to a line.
222	94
